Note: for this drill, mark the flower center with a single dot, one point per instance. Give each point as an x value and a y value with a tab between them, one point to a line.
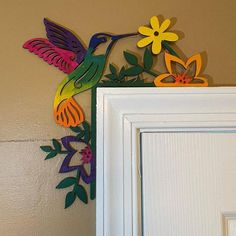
86	155
156	33
182	78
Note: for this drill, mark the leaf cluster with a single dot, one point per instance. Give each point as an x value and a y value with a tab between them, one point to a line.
77	191
135	70
52	151
82	132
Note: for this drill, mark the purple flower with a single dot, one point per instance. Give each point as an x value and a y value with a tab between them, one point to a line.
86	158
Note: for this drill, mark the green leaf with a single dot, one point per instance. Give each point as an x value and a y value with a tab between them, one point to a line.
67	182
79	131
86	126
46	148
56	145
80	135
122	73
131	58
113	69
81	193
76	129
133	71
51	155
70	198
111	76
148	60
111	82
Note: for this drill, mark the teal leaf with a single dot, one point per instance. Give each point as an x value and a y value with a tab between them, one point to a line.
113	69
80	135
148	59
111	76
76	129
86	126
122	73
131	58
110	82
51	155
79	131
46	148
81	193
67	182
70	198
133	71
56	145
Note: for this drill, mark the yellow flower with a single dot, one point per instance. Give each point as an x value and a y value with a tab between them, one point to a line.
181	79
156	34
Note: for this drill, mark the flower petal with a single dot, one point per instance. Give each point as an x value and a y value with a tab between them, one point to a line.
170	59
144	42
159	78
196	58
155	23
168	36
156	46
165	25
145	31
203	83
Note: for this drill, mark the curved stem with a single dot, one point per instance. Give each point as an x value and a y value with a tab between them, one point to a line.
77	178
63	152
169	49
93	138
150	72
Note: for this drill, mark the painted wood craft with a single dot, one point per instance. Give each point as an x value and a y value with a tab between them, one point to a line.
86	70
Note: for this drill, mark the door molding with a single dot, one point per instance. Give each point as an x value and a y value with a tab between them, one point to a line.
124	113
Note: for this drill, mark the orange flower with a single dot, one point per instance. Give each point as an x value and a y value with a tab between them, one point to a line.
68	113
181	79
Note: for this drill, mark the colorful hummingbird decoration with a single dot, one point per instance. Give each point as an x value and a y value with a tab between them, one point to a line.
85	69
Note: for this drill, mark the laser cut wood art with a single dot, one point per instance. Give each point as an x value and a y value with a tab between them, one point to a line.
85	69
181	79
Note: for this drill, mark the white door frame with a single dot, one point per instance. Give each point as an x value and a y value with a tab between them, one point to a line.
124	113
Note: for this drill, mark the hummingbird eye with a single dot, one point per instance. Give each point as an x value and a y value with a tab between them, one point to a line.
103	39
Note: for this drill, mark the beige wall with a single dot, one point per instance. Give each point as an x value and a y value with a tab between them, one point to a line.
29	203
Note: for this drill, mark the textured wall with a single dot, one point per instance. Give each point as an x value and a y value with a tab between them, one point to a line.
30	205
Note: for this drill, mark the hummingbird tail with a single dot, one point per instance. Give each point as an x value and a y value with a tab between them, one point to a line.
68	113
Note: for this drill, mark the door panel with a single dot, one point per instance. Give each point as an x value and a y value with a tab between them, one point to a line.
188	178
188	183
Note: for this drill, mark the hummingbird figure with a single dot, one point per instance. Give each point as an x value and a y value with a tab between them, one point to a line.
85	69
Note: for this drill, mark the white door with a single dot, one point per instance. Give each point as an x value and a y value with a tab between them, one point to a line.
189	183
166	162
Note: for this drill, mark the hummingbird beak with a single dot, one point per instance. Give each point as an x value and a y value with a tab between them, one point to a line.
117	37
114	38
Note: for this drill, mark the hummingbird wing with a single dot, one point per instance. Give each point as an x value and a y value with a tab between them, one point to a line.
64	60
65	39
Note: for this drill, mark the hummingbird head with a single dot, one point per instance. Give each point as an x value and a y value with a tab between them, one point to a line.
100	38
